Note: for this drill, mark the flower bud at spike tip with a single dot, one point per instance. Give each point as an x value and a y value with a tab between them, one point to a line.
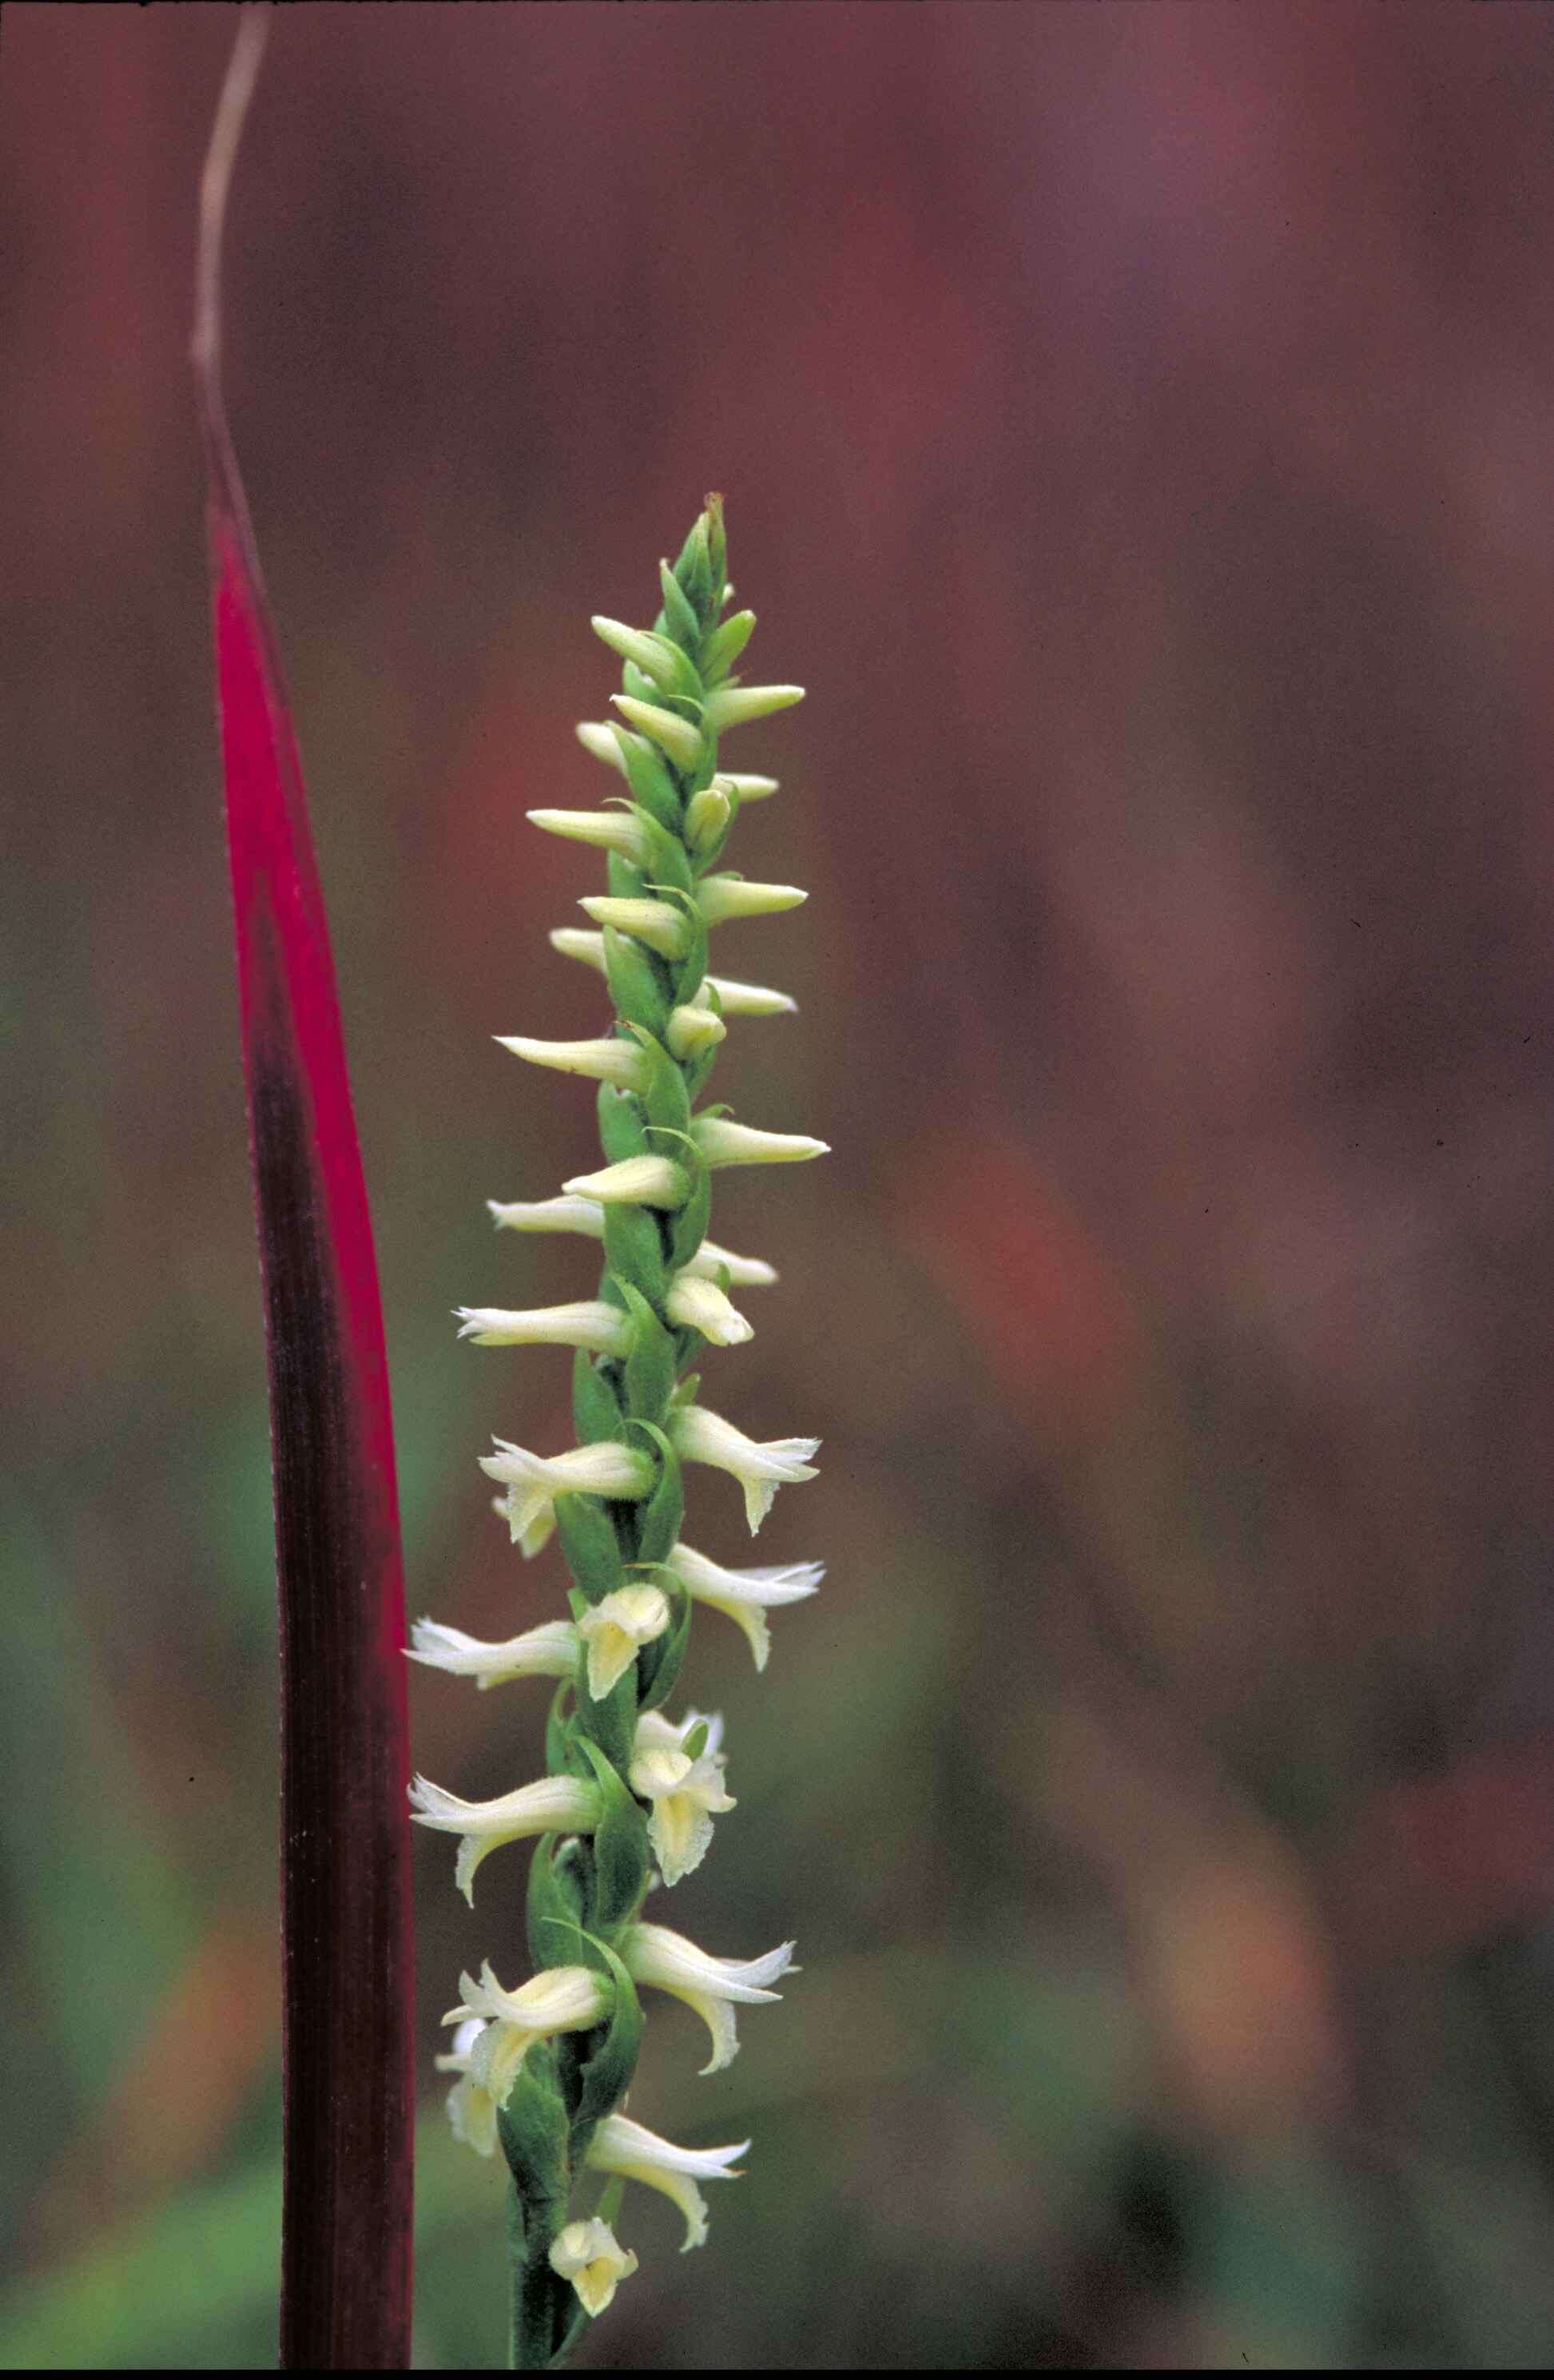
540	2072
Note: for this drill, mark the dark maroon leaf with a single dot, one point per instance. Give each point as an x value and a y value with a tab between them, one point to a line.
346	1906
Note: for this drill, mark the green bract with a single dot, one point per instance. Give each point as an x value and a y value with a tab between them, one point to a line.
540	2069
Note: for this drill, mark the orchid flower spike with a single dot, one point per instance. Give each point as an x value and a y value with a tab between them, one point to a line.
542	2071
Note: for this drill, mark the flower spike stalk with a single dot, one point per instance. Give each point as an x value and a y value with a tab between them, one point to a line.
630	1796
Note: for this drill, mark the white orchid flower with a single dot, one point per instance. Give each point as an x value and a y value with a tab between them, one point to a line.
552	1806
744	1595
534	1481
615	1630
703	1437
549	1651
651	1954
591	2258
620	2146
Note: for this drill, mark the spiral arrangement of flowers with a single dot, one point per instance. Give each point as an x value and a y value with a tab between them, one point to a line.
630	1794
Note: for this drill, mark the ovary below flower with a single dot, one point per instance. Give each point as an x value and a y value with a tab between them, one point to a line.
559	2000
744	1595
722	1142
591	2258
559	1805
616	1629
590	1322
548	1651
687	1790
534	1481
608	1059
620	2146
651	1954
697	1304
703	1437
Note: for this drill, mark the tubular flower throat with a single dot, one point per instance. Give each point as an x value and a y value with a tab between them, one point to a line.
629	1796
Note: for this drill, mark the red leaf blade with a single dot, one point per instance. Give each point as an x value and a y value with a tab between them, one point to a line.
346	1877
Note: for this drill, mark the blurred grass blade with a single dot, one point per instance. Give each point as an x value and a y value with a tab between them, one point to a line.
346	1916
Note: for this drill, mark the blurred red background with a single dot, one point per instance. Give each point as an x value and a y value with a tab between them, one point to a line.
1135	428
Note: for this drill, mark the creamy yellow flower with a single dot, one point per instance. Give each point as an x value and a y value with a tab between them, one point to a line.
591	2258
559	2000
744	1595
552	1806
631	2150
687	1790
616	1629
548	1651
651	1954
703	1437
534	1481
